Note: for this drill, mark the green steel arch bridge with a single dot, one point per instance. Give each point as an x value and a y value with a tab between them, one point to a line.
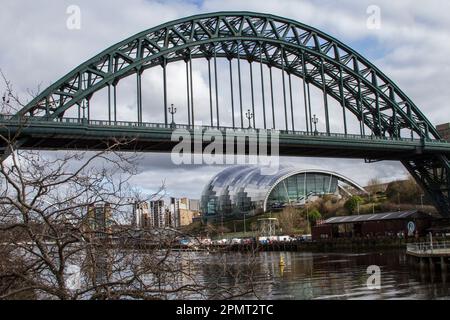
389	126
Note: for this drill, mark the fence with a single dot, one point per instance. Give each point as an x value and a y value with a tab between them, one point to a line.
428	247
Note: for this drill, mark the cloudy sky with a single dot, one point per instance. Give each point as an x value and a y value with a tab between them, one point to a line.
412	47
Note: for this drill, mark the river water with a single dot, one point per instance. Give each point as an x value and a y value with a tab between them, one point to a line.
307	275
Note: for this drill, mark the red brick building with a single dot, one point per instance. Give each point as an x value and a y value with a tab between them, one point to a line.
444	131
390	224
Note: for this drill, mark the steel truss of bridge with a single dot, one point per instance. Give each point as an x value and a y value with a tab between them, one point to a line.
76	134
391	126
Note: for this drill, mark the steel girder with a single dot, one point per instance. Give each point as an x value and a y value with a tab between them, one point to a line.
301	50
433	174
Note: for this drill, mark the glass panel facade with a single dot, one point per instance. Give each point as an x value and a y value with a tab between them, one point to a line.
243	189
295	189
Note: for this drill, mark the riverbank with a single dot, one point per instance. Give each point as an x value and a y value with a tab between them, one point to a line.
338	275
355	244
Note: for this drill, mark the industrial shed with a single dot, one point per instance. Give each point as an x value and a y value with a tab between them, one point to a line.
390	224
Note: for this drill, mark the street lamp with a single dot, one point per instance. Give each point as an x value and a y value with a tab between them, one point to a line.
172	111
315	120
307	217
249	115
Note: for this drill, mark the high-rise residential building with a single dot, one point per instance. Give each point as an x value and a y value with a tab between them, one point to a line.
194	205
158	213
148	220
174	209
184	211
136	215
186	217
99	218
170	218
142	217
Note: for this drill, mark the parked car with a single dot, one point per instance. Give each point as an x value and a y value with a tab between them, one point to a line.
220	241
205	241
185	242
285	239
236	241
248	240
304	238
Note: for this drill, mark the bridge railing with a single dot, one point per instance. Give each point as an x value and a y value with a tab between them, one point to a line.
106	123
427	247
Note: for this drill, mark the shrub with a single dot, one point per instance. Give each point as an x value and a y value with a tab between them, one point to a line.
314	215
404	191
352	204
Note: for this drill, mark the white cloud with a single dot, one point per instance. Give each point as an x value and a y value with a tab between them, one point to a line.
412	47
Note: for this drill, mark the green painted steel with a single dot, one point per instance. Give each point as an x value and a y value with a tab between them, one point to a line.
45	132
202	36
297	49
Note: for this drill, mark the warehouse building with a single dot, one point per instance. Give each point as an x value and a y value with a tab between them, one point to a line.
444	131
391	224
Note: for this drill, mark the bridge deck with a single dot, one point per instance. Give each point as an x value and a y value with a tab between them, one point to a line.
70	133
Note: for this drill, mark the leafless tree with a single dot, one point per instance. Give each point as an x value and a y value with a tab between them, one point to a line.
374	186
65	232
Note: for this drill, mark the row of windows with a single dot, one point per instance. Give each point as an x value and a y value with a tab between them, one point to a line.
220	200
297	188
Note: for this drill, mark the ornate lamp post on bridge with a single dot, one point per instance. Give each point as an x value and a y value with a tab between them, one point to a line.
249	115
172	110
315	120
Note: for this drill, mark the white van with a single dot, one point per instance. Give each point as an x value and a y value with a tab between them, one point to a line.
284	239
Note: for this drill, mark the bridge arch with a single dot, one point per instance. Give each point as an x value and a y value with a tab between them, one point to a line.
297	49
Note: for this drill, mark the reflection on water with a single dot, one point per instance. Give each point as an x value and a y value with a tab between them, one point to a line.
331	275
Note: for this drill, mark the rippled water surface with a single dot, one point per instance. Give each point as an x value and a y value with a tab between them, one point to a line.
340	276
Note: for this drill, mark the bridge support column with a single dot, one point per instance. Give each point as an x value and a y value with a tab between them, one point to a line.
444	268
252	93
305	98
188	92
139	95
262	86
164	66
115	101
217	90
433	175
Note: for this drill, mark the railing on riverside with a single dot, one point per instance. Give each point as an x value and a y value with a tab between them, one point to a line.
124	124
428	247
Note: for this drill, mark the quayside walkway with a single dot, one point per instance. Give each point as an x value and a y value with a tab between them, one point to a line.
430	254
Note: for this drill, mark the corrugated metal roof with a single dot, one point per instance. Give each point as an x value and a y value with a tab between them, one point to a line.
376	217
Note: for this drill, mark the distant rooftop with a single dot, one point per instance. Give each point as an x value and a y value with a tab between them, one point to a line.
400	215
444	131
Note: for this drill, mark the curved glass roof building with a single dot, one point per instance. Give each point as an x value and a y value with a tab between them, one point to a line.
243	189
